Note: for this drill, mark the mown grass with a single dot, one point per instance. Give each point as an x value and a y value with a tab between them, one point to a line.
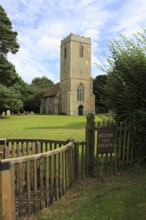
44	126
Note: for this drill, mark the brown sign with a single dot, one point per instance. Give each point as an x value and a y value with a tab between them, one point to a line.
106	138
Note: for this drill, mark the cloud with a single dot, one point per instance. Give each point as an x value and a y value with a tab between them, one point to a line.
50	46
128	18
42	24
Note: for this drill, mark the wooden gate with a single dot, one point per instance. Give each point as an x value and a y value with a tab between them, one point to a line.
110	146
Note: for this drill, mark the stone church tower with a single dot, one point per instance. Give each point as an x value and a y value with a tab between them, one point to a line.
74	94
76	86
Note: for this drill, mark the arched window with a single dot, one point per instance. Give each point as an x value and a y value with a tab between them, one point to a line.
80	93
81	51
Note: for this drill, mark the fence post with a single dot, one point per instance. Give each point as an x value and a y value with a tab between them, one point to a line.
90	140
2	148
7	206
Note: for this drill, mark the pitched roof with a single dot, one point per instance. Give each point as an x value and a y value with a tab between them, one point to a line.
53	91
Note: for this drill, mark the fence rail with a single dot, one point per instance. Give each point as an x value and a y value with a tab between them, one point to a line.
24	147
35	181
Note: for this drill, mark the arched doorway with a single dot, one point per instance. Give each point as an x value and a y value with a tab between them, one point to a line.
80	109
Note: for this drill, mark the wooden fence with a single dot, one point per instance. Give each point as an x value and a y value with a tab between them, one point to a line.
22	147
109	146
34	172
34	177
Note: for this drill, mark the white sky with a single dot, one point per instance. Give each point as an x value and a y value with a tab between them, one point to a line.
41	24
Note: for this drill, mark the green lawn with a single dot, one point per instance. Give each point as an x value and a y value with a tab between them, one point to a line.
44	126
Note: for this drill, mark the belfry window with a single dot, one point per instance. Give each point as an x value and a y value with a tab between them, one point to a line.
81	51
65	52
80	93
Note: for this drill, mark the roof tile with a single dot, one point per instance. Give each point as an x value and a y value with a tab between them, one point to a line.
53	91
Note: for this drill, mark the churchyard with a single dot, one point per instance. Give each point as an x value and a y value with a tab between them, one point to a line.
74	167
120	196
43	126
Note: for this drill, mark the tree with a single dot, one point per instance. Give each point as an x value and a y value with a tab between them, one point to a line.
39	86
25	92
12	87
8	75
42	83
8	41
125	89
10	99
99	84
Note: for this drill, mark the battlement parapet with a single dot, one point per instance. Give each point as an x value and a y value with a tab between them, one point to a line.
78	38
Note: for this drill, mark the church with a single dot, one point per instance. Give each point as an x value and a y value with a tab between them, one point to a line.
73	95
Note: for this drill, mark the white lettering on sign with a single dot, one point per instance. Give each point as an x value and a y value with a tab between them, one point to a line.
102	135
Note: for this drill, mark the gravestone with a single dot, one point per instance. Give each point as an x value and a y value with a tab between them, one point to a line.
8	113
3	114
31	113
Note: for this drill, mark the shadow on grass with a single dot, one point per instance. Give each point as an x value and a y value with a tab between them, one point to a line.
4	117
68	126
